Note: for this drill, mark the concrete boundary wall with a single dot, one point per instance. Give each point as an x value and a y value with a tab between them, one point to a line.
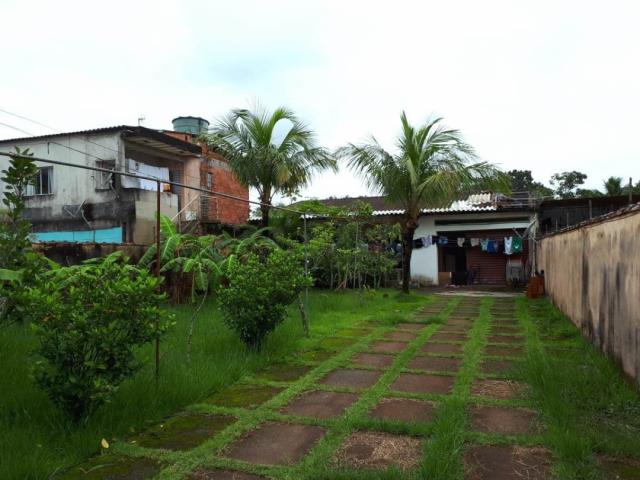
592	273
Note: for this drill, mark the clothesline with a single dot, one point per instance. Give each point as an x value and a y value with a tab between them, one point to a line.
509	245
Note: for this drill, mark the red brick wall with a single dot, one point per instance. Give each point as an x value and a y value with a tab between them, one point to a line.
221	209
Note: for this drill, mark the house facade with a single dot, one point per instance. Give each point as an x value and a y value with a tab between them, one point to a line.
68	204
449	242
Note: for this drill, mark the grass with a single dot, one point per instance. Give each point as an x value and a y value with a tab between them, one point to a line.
588	411
37	441
590	408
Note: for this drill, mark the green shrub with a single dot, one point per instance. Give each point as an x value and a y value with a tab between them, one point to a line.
88	320
257	291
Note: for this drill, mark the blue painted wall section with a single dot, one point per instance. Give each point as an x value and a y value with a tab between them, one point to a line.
105	235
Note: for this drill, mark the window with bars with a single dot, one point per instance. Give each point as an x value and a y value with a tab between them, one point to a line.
42	183
104	180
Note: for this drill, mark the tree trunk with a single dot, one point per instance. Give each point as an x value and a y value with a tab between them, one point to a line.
265	216
407	249
303	315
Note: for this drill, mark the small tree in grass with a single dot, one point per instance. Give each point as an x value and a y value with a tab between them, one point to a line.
89	319
258	290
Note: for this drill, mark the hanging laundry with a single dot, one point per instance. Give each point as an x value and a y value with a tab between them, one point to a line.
507	245
417	243
492	246
517	244
475	242
461	241
444	241
427	241
484	244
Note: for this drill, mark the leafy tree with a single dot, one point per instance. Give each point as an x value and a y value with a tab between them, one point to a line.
258	290
89	319
613	186
265	157
566	183
588	193
14	234
21	266
431	167
522	181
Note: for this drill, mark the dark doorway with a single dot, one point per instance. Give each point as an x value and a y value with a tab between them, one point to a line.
455	261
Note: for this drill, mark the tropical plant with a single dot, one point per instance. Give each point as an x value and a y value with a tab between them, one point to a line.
613	186
273	152
89	319
198	262
258	290
432	166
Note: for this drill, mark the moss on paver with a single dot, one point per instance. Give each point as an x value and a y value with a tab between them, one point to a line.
244	396
184	432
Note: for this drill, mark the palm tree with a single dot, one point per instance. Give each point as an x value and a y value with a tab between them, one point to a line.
431	167
613	186
273	152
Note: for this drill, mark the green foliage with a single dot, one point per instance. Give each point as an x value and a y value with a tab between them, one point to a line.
566	183
200	260
89	319
522	181
613	186
20	266
265	157
431	167
14	234
258	290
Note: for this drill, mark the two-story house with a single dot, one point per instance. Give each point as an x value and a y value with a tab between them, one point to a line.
68	204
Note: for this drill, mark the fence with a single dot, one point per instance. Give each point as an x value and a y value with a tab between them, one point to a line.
592	273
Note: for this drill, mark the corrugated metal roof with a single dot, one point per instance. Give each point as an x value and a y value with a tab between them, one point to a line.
479	202
133	131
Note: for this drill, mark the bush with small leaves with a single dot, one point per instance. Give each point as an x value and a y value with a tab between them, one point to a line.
257	291
89	319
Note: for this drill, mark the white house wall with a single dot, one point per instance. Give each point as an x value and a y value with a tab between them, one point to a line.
424	261
71	186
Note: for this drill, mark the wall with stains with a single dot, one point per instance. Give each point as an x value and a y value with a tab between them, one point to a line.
592	273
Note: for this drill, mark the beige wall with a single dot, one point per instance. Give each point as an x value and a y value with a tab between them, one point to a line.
145	220
592	274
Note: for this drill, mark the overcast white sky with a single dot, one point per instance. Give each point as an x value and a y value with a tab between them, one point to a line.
547	85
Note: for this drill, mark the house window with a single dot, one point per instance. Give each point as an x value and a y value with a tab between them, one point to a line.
104	180
209	180
42	183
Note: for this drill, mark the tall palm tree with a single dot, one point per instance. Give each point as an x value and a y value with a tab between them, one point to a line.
273	152
432	166
613	186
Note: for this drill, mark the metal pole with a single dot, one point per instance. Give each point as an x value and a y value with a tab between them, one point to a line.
157	276
630	190
590	209
306	260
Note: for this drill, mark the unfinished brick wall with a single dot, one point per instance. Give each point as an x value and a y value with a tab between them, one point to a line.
592	273
216	208
221	209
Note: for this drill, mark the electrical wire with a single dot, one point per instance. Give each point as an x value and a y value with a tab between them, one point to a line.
147	177
22	117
